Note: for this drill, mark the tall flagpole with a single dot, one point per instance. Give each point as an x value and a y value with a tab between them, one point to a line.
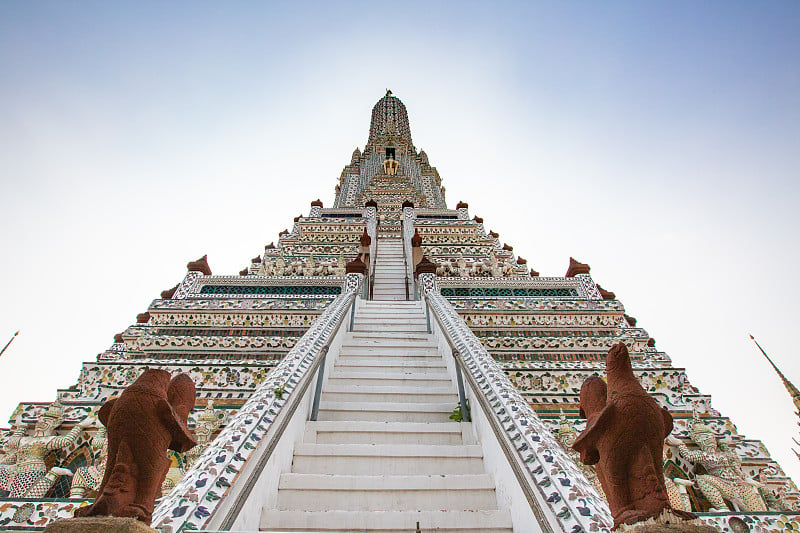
9	342
793	392
791	389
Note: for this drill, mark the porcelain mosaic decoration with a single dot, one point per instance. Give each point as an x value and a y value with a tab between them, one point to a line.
247	340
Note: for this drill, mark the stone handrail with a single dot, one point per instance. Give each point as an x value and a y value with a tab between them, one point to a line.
552	478
371	216
196	498
409	218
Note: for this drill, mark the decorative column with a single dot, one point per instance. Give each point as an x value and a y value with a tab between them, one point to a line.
463	210
409	216
371	218
580	271
316	209
196	269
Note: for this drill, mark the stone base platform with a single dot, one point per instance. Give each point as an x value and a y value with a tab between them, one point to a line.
99	524
667	522
685	527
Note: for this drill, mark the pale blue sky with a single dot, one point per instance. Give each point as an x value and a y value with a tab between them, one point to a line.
659	142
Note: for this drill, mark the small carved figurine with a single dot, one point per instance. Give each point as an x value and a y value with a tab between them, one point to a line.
88	478
147	418
725	479
624	437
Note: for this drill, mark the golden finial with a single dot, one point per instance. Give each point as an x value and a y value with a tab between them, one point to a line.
388	92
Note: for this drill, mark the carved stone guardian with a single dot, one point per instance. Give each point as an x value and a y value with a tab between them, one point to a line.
624	437
146	419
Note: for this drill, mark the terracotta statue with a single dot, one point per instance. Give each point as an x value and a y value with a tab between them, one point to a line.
23	469
624	437
725	479
147	418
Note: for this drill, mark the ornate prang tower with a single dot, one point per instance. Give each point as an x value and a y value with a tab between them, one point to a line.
390	171
387	364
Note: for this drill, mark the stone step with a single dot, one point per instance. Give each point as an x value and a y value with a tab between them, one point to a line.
398	355
372	307
359	395
414	319
388	291
371	326
389	336
374	317
368	432
386	411
379	351
479	521
387	459
363	341
402	406
390	364
369	303
419	344
361	378
408	389
382	373
318	492
378	312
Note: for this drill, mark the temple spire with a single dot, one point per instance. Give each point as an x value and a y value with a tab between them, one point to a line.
793	391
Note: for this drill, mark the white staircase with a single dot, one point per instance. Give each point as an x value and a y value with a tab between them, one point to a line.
390	269
383	455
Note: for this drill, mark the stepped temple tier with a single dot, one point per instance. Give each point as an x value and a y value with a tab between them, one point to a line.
386	365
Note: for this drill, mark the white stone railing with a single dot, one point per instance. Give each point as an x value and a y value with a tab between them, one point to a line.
195	500
409	218
559	494
23	514
754	522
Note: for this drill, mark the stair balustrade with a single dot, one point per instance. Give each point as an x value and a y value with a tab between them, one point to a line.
246	458
408	232
526	457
